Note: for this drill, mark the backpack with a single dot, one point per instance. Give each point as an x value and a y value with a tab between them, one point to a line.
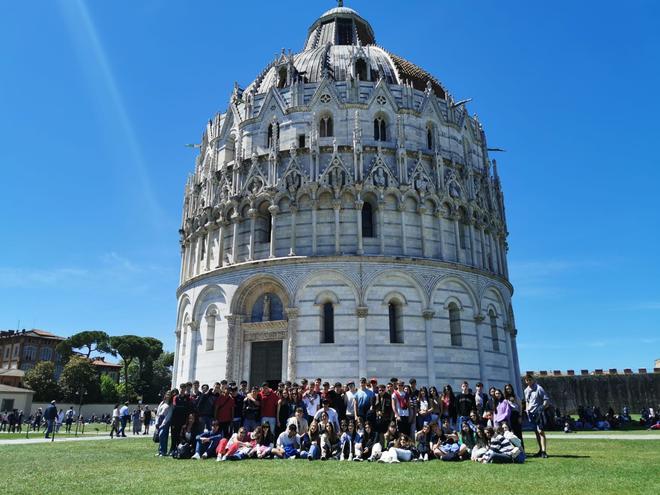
183	451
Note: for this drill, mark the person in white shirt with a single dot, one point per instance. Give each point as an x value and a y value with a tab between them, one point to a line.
312	400
349	398
124	415
332	414
115	421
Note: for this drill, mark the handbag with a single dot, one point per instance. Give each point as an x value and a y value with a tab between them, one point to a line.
155	436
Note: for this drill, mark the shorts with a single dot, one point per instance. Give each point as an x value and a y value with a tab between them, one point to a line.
537	418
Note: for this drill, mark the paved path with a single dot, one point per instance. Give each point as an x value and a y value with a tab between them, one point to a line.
24	441
599	436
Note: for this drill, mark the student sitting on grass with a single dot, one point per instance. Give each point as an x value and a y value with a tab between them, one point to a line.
207	442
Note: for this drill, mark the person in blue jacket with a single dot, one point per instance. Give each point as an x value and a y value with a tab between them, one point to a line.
208	441
50	414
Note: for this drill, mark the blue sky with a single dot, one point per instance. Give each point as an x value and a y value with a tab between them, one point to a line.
98	98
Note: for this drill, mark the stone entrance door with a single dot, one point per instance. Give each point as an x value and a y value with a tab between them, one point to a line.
266	363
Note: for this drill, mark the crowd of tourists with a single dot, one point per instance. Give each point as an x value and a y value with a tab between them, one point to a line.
371	421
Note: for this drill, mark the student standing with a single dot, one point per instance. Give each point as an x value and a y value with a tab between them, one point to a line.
537	401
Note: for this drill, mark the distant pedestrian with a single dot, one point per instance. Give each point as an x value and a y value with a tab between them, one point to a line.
135	420
50	415
68	419
114	428
124	416
146	418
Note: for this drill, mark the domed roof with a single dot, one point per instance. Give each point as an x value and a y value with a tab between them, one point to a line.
335	42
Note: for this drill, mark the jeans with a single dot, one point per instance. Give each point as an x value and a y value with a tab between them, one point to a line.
124	420
49	424
314	451
206	422
163	434
207	448
250	424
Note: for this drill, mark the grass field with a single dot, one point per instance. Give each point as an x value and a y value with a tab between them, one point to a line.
129	466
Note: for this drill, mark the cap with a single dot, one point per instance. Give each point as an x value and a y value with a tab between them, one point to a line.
52	402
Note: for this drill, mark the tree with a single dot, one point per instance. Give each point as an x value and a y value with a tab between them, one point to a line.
79	377
128	347
108	389
88	341
41	379
162	377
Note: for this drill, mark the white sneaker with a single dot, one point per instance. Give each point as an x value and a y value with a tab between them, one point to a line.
205	455
350	457
196	456
426	457
341	457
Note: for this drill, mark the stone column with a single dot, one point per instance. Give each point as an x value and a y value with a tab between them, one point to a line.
221	243
480	346
362	312
516	365
402	209
234	347
177	354
252	213
484	257
193	333
292	317
234	241
358	211
381	226
509	352
505	249
314	209
293	210
421	210
430	354
274	210
493	250
209	246
336	206
439	216
473	247
458	240
184	261
191	257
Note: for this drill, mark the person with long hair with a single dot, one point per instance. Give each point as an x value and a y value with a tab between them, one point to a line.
283	411
401	451
467	439
502	409
424	408
448	405
516	412
390	436
314	447
434	404
265	442
330	443
371	447
480	444
347	441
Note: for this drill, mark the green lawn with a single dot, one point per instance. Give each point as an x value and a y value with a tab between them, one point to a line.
129	466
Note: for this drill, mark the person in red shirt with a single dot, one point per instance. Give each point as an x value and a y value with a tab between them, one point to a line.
268	402
224	411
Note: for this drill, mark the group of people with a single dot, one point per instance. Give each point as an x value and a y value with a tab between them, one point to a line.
140	419
392	422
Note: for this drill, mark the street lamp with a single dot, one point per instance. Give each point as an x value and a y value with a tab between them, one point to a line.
81	393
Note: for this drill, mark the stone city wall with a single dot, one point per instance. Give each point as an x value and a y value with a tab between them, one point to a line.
570	390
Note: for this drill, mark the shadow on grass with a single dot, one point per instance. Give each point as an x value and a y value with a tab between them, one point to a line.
570	456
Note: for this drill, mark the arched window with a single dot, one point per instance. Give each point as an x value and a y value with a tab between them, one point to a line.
210	329
396	333
367	220
429	137
202	250
325	126
327	323
380	129
361	70
493	330
455	325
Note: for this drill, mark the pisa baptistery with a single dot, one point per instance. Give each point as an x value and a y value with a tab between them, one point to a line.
344	220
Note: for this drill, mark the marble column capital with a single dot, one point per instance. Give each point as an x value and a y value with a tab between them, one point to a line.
274	209
362	311
428	314
292	313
